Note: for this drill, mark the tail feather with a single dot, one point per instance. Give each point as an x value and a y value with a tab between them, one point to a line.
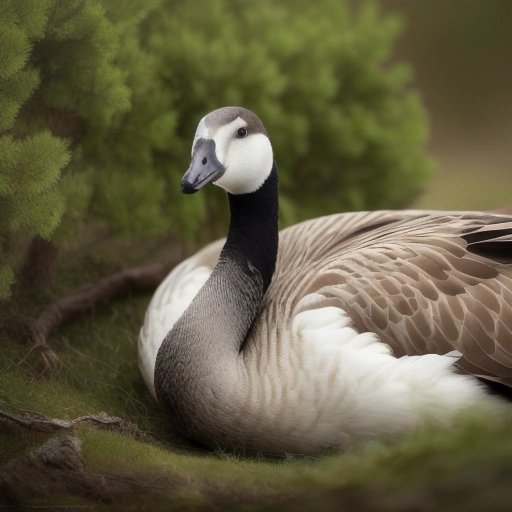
492	241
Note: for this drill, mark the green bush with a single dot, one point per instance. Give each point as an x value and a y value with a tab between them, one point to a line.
63	91
100	100
347	133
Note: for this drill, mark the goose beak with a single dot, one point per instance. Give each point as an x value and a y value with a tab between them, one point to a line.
204	168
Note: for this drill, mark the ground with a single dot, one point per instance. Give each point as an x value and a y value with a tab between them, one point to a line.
140	465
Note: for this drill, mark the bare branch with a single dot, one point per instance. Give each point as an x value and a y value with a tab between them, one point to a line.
42	423
138	279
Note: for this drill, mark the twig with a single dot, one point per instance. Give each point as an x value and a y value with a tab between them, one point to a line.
42	423
139	278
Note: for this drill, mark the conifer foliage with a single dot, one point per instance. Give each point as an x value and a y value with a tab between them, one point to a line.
99	100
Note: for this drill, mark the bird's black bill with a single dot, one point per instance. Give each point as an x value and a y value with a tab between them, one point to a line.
204	168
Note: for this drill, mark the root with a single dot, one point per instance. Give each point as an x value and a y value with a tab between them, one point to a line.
54	468
41	423
134	279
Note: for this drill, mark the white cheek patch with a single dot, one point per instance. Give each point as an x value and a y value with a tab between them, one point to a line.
224	136
248	163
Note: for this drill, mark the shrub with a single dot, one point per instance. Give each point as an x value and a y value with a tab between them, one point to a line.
100	100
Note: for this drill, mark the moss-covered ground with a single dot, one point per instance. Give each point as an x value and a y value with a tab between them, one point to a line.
468	468
465	468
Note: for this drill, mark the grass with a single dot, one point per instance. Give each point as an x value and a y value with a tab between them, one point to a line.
99	373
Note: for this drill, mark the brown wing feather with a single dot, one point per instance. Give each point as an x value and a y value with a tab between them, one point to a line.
424	281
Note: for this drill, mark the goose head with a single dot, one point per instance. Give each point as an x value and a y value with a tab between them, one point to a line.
230	149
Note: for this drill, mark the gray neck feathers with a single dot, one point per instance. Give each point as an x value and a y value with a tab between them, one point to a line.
199	373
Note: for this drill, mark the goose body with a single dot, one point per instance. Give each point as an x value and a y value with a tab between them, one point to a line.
337	330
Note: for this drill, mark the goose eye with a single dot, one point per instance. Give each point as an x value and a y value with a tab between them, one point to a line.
241	132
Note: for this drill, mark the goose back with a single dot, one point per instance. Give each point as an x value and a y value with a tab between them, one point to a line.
424	281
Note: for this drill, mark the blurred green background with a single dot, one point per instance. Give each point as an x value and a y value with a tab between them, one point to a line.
460	53
100	100
370	104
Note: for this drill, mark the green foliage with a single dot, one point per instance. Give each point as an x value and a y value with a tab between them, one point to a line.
100	100
347	133
30	199
6	281
60	89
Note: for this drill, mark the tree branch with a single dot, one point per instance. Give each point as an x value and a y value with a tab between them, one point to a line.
41	423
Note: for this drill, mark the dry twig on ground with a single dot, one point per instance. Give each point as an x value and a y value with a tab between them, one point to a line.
138	279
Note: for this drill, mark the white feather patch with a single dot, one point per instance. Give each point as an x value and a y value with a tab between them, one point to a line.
169	302
367	391
201	133
332	386
248	161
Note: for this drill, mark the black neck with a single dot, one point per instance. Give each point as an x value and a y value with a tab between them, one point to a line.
200	355
253	229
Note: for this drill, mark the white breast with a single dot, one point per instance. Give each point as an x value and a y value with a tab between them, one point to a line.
322	384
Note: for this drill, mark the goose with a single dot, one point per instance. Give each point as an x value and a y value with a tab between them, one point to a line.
338	330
